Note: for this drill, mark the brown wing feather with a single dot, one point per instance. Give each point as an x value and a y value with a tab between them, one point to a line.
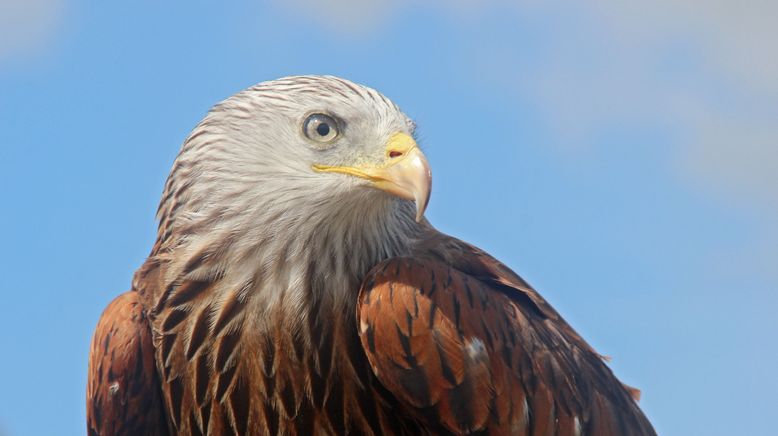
473	356
123	391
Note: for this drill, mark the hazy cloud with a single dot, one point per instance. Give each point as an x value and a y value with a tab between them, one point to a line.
26	25
345	17
737	37
702	74
707	72
358	17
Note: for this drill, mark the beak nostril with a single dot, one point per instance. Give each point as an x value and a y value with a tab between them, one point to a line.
395	153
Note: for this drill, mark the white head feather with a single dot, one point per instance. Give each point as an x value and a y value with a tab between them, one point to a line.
242	193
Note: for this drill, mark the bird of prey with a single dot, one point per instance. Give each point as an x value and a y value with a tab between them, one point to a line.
296	288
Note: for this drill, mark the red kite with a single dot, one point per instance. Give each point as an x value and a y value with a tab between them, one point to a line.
296	288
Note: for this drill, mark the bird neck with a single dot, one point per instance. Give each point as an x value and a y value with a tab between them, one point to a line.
305	263
322	257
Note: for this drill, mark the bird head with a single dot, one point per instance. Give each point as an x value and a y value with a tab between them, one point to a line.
291	148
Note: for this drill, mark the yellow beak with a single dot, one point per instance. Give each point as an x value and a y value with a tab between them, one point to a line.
404	172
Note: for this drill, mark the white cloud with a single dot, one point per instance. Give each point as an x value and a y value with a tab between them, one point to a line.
27	25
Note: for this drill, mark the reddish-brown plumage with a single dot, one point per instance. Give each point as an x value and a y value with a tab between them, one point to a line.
218	375
448	341
474	353
123	394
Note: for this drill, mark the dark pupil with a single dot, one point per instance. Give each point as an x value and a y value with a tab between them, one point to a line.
323	129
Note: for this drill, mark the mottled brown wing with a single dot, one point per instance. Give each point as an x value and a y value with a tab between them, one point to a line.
470	346
123	391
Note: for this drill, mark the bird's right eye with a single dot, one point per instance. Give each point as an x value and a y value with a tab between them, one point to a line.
321	128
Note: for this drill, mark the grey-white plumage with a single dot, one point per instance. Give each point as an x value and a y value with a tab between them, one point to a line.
242	188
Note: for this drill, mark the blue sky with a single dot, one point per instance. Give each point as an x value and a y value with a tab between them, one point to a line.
624	159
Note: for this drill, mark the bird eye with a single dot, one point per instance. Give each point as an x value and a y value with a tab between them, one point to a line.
320	128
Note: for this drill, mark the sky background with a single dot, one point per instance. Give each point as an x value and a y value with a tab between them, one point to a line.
622	158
